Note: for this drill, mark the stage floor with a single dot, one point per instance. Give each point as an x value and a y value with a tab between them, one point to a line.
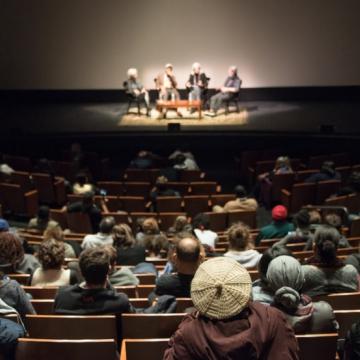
259	117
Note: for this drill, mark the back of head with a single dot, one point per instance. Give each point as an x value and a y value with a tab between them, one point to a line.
286	278
279	213
268	256
282	162
94	265
112	254
201	221
221	288
123	236
188	250
51	254
43	213
11	251
315	217
328	167
88	199
155	243
179	159
161	183
180	223
240	191
239	237
81	178
53	232
106	225
150	226
333	219
302	219
326	241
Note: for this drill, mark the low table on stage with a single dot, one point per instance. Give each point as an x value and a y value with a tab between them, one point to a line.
175	104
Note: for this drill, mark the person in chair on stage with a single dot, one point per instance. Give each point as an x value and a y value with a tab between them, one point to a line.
231	87
134	87
197	83
167	85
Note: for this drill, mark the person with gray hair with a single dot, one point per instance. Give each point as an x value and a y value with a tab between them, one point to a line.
226	92
197	83
103	237
135	88
286	279
167	85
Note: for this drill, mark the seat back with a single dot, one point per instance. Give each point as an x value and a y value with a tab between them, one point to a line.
18	163
324	344
203	187
41	349
12	198
168	204
22	178
22	279
137	188
181	187
342	301
326	188
115	188
132	203
45	187
355	227
218	221
38	292
247	217
79	222
134	349
279	182
146	326
346	318
221	199
59	215
302	195
71	327
195	204
191	175
43	306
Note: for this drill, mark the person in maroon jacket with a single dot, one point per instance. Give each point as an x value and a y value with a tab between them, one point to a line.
226	323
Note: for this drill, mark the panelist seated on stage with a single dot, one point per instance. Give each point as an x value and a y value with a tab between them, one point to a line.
134	87
231	87
167	85
197	83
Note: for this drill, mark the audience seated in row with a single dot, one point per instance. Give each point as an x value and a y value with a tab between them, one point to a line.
42	221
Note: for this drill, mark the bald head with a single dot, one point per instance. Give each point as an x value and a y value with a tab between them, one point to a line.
188	250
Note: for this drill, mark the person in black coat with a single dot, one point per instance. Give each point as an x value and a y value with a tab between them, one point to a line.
197	83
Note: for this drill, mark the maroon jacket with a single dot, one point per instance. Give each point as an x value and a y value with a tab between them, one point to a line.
258	332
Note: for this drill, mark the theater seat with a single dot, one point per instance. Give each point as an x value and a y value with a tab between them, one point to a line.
299	196
41	349
313	346
134	349
247	217
168	204
346	318
79	222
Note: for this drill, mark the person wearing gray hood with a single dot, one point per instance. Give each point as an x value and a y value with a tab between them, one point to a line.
286	279
241	248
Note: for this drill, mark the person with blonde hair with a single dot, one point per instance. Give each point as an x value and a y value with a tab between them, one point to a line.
135	88
197	83
149	226
56	233
241	246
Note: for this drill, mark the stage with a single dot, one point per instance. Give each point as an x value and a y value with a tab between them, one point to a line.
336	118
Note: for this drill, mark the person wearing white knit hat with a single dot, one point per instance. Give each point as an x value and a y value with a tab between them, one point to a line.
226	323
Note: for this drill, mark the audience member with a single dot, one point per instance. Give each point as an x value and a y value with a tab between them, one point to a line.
197	83
87	206
119	276
42	220
181	162
242	202
51	255
186	259
261	290
103	237
286	279
128	252
279	227
161	189
166	84
92	296
181	224
325	273
241	246
144	160
10	331
352	185
148	227
207	237
56	233
226	321
82	184
11	254
327	172
352	343
155	244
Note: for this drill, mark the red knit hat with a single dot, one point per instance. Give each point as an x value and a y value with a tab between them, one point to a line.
279	212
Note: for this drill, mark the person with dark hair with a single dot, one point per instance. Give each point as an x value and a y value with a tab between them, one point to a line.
161	188
286	279
226	323
327	172
119	276
260	289
242	202
93	296
181	162
279	227
201	225
149	226
154	244
128	251
186	259
51	255
103	237
352	185
325	273
56	233
42	220
88	206
11	254
351	350
241	246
